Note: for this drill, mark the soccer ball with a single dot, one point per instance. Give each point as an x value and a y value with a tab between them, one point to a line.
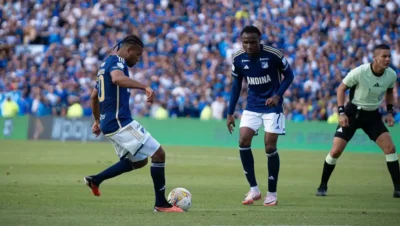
181	198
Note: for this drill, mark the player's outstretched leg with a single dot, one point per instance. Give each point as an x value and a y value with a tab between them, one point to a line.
123	166
246	155
384	141
271	140
157	171
338	146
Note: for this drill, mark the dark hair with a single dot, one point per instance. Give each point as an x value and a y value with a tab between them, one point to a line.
130	40
381	46
251	29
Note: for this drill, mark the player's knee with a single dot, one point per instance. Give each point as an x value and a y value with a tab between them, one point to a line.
335	153
389	149
271	150
339	144
244	142
270	142
139	164
159	155
269	146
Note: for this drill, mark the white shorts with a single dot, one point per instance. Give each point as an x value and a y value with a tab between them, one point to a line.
273	122
133	141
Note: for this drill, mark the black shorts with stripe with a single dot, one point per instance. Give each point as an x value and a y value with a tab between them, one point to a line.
369	121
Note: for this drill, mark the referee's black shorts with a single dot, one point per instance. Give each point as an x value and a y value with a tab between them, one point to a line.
369	121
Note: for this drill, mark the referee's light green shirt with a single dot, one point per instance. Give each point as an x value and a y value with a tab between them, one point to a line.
369	89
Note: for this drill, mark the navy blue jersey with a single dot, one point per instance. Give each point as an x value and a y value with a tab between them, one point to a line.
114	100
263	75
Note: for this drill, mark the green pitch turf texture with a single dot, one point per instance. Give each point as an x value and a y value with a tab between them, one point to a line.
41	184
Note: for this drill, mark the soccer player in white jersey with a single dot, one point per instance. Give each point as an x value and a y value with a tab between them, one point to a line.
132	142
368	84
268	76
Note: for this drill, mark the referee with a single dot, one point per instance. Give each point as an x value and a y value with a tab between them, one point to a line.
368	84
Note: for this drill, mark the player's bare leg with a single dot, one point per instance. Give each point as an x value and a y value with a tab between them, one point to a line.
271	140
123	166
157	171
338	147
385	142
246	156
39	128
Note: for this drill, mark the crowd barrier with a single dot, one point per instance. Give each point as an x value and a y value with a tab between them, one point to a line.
311	136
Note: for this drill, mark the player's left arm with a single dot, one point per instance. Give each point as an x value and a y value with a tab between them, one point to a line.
287	72
389	98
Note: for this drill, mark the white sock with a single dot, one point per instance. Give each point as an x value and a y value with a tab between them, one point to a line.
255	189
391	157
330	160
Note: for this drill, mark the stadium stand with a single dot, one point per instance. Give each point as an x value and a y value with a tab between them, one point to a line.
49	51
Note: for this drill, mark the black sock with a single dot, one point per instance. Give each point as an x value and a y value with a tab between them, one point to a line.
394	170
118	168
157	171
329	166
273	170
248	165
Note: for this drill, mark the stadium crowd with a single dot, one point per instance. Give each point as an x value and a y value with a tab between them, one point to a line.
50	51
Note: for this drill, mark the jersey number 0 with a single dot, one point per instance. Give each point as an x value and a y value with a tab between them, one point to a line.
100	84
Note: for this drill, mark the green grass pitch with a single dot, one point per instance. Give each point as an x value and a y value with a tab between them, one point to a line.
41	184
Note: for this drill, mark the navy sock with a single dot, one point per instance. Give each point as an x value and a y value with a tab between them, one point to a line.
248	165
329	166
118	168
157	171
273	170
326	174
393	168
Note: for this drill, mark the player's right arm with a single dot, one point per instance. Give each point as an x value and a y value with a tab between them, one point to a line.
95	111
95	105
341	92
235	94
349	81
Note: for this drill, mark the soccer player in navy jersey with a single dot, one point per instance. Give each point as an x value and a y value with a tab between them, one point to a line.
268	76
132	142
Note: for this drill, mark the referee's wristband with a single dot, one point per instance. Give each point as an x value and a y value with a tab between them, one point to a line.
389	109
341	110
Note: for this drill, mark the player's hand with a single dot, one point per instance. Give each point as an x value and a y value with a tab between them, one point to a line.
390	120
230	123
151	96
96	128
273	101
343	121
